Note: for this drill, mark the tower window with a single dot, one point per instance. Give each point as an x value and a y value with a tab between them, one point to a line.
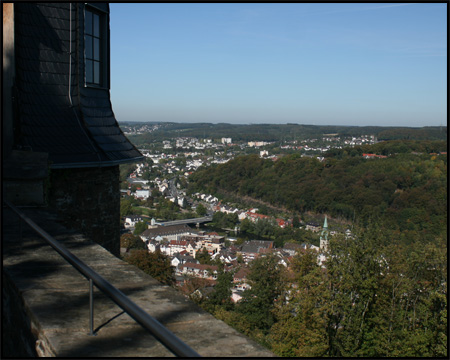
95	48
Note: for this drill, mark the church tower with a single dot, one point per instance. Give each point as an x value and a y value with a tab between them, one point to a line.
324	236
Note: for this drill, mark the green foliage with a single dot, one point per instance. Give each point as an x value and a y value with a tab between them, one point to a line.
129	241
225	221
140	227
234	319
375	298
201	210
280	132
266	283
407	192
221	296
154	264
302	319
125	207
203	257
125	170
167	210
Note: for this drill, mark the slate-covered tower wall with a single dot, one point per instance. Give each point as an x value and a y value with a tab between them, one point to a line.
89	200
58	113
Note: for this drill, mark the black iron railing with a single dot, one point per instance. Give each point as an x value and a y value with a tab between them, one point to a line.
159	331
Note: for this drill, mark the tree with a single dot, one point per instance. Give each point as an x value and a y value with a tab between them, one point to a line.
264	227
129	241
296	222
203	257
354	272
146	175
126	170
140	227
221	297
134	187
301	327
155	193
154	264
266	283
125	207
247	226
201	210
223	220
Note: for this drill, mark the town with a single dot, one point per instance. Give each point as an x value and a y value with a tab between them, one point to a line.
165	175
183	245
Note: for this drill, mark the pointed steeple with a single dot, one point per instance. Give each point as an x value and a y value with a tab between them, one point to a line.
324	232
324	236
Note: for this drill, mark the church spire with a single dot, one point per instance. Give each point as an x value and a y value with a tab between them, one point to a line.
324	236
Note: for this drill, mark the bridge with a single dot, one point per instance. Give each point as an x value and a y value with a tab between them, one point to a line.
187	221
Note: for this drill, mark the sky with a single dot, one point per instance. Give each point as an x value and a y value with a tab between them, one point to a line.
356	64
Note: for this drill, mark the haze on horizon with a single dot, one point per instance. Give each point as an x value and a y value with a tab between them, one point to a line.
367	64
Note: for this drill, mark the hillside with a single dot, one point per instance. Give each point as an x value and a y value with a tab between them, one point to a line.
278	132
404	192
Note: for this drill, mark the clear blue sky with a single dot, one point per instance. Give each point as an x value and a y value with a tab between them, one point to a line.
321	64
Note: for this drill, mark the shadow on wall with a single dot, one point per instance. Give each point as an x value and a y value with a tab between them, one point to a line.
8	78
18	339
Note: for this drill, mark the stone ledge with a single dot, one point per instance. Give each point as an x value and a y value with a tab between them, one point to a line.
56	299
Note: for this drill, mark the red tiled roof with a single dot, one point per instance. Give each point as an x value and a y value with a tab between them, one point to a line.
241	273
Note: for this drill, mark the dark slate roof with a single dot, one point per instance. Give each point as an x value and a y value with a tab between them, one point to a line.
82	135
254	246
167	230
293	246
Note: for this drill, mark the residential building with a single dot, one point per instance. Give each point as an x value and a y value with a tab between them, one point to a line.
142	194
250	250
171	232
199	270
131	220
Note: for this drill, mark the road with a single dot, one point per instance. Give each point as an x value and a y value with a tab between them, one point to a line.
187	221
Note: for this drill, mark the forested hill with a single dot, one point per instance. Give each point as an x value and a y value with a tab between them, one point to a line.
404	192
278	132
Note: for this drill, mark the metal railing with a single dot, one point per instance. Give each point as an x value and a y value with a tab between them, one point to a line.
159	331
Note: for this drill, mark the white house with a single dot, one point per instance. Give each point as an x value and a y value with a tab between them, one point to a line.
153	245
171	232
131	220
199	270
236	295
142	194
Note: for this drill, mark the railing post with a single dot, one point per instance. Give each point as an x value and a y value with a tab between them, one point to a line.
91	307
153	326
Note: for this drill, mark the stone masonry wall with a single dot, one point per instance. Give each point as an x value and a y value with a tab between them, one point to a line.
45	305
88	199
18	335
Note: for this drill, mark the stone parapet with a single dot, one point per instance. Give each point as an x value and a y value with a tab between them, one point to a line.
48	301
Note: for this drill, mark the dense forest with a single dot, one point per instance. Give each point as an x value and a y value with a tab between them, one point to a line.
406	192
383	291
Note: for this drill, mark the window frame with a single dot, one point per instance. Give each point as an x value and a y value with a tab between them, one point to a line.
103	50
